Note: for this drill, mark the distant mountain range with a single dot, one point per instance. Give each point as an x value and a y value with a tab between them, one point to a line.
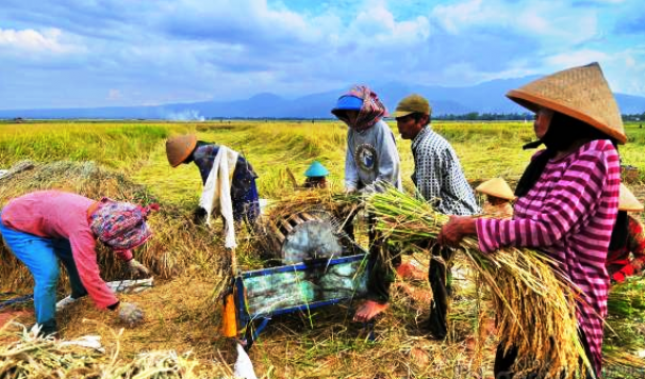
486	97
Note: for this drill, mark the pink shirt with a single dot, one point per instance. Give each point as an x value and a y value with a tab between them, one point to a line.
569	214
56	214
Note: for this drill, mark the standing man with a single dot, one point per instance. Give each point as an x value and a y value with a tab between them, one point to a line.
371	165
440	180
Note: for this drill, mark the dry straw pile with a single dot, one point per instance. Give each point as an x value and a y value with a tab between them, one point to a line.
32	357
177	242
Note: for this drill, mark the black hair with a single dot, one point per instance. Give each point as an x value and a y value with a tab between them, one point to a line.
417	116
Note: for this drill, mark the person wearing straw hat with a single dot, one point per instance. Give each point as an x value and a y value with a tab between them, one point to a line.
631	241
43	227
567	197
372	164
440	180
316	176
244	193
498	198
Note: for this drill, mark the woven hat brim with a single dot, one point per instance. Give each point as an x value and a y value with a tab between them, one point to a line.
497	189
176	159
534	103
628	202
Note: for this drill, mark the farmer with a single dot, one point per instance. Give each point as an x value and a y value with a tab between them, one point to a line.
440	180
567	197
498	198
619	263
316	176
371	165
43	227
244	193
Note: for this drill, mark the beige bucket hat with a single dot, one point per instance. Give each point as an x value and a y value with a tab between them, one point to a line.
579	92
628	202
496	187
179	148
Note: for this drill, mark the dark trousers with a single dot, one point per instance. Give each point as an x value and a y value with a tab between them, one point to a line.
504	362
440	278
383	260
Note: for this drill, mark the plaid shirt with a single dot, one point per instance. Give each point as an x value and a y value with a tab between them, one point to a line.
438	175
570	214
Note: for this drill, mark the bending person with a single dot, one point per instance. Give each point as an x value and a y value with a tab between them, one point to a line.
627	241
43	227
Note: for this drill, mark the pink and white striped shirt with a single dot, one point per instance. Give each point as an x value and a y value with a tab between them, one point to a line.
569	214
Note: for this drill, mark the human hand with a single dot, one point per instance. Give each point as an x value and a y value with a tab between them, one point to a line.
137	269
454	231
130	314
199	216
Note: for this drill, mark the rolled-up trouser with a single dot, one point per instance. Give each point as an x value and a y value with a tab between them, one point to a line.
440	275
41	255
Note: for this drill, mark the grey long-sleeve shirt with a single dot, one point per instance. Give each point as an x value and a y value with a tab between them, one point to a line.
372	159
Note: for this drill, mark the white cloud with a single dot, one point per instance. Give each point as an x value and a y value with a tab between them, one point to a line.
33	41
576	58
557	21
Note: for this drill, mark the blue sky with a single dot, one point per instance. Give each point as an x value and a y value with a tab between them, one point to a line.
82	53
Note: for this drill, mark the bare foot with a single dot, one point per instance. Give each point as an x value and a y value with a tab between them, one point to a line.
369	310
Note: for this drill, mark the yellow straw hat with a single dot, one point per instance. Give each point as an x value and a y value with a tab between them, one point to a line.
628	201
579	92
179	148
496	187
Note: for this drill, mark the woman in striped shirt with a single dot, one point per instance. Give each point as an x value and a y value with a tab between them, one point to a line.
568	196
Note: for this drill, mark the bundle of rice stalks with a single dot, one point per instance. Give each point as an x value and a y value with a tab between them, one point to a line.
541	326
624	330
35	357
177	241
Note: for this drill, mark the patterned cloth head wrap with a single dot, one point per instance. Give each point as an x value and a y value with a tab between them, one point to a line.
120	225
371	112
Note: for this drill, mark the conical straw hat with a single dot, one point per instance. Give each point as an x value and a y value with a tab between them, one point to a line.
179	148
628	201
579	92
496	187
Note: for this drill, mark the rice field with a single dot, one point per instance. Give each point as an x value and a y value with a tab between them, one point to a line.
181	315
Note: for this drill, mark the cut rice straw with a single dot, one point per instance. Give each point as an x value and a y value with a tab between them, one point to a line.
542	327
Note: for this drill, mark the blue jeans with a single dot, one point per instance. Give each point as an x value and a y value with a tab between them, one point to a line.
41	256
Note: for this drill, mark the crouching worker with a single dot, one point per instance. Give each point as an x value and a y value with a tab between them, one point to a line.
628	238
498	198
43	227
210	159
316	176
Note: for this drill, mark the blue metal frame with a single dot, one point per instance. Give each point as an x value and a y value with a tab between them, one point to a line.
245	319
17	300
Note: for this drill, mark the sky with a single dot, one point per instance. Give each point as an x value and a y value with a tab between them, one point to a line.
95	53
